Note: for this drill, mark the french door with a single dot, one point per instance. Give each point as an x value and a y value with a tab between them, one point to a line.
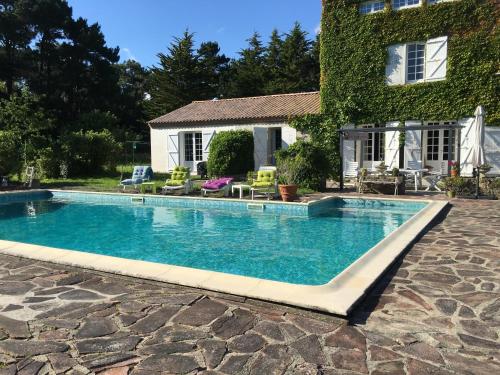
373	149
437	146
193	150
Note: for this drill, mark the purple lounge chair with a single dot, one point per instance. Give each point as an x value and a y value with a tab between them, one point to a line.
221	184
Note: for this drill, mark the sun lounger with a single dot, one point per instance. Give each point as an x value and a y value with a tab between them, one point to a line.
219	185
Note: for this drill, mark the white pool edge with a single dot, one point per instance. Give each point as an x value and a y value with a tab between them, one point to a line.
338	296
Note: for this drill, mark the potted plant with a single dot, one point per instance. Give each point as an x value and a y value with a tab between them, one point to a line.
483	169
454	168
288	179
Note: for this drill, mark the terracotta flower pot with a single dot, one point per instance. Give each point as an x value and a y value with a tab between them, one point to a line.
454	173
288	192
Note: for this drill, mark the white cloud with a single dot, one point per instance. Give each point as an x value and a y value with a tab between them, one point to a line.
127	54
317	29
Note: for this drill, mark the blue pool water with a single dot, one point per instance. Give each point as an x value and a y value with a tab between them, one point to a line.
296	249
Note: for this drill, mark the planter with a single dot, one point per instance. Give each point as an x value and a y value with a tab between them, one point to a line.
288	192
451	194
454	173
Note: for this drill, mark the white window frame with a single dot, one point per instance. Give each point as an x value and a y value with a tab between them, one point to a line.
407	62
406	6
372	3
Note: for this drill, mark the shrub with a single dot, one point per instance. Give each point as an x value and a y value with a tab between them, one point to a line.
90	152
10	155
304	163
231	153
48	163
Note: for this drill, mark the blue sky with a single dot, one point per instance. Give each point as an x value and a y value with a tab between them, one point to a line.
143	28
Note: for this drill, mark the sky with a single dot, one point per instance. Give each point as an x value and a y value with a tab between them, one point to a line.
143	28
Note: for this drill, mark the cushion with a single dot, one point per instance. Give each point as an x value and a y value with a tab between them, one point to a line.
262	184
266	176
175	182
217	184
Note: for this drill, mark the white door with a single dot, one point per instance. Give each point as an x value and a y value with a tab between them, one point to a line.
373	150
260	140
192	150
437	152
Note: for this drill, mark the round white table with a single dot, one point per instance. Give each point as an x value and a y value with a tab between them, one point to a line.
417	173
241	188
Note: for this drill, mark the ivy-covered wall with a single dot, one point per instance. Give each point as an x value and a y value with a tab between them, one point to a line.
354	57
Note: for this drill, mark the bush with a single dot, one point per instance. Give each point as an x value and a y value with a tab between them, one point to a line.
90	152
48	163
231	153
10	156
305	164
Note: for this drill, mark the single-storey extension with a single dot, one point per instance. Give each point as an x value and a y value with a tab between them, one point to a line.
182	137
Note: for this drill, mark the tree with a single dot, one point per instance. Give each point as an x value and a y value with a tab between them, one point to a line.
296	61
248	72
16	34
173	83
274	64
212	67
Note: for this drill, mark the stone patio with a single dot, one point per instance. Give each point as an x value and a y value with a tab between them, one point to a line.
436	312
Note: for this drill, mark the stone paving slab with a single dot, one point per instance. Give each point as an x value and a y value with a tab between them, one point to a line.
437	311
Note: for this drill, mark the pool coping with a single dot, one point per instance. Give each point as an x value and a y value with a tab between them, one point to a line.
338	296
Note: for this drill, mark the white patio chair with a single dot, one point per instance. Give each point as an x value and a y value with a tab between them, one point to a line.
435	176
415	164
352	172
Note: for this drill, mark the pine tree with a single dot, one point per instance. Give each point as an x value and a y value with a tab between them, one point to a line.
248	72
274	64
174	83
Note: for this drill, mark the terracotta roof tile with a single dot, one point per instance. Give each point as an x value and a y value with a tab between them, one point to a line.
271	107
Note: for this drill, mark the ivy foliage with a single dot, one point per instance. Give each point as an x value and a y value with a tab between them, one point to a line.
354	57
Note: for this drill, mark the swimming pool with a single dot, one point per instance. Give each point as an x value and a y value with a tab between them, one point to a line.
301	244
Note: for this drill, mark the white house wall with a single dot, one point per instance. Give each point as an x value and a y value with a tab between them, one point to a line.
161	159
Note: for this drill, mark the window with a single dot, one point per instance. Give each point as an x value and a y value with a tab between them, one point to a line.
433	143
415	62
371	7
198	143
374	146
402	4
193	147
188	146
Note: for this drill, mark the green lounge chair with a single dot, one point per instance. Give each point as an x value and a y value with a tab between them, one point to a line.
179	180
266	183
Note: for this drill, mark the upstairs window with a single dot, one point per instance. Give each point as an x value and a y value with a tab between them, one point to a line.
369	7
415	62
403	4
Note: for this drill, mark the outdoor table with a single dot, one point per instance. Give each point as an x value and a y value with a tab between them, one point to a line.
148	186
241	188
417	174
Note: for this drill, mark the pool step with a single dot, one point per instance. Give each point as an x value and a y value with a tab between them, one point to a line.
137	200
255	207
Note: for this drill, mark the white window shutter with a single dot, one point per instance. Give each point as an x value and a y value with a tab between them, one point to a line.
173	151
392	146
466	143
413	143
348	150
436	57
395	70
207	140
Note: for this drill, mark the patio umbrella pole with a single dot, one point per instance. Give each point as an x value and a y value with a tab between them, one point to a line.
476	171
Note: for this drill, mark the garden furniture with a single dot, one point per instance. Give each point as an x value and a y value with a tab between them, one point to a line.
179	180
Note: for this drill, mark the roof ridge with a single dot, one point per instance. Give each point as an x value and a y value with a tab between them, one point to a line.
257	97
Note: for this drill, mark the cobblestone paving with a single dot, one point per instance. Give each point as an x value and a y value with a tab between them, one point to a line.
435	312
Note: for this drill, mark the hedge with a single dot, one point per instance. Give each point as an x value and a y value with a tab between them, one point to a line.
231	153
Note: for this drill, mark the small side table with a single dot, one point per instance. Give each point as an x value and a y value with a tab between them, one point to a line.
151	186
241	188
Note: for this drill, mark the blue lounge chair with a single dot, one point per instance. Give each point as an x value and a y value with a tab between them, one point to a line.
139	175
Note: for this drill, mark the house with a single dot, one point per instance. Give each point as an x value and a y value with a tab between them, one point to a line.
182	137
412	63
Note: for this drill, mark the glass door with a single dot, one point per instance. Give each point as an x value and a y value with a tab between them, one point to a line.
193	150
437	147
373	150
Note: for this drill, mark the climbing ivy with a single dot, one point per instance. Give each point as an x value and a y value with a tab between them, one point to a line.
354	56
